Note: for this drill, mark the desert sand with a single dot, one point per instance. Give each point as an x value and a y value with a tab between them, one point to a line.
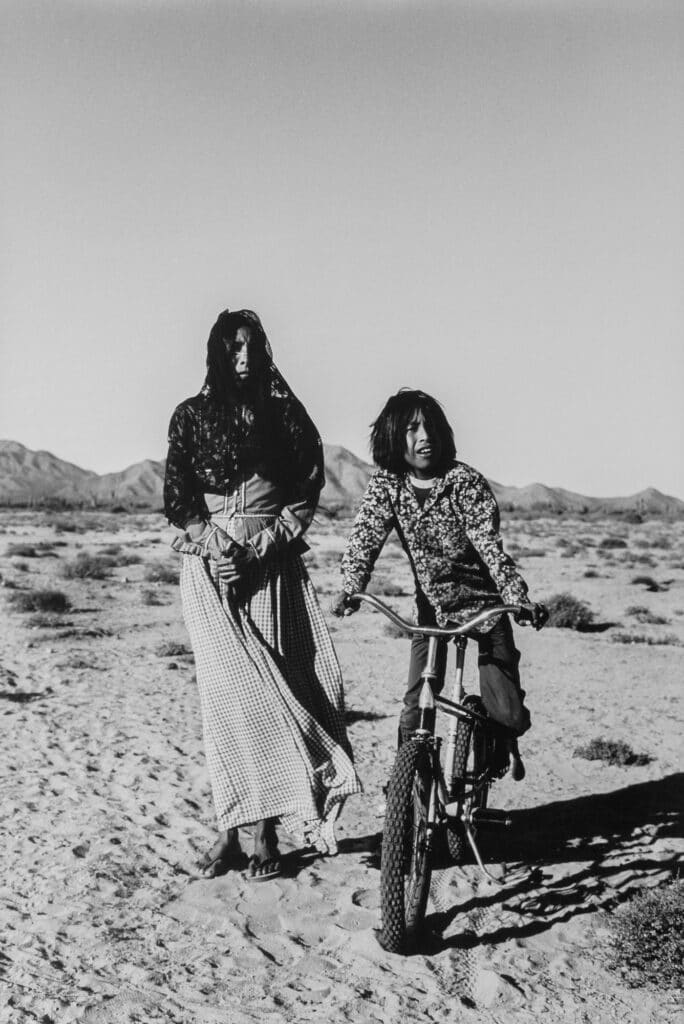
106	803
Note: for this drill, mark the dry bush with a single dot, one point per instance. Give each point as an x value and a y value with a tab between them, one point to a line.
151	597
21	551
87	566
615	752
643	560
171	649
647	940
48	620
664	640
646	581
644	615
568	612
387	588
612	542
158	572
591	574
40	601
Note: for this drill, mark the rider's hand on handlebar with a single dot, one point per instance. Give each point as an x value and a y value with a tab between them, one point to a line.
342	604
532	615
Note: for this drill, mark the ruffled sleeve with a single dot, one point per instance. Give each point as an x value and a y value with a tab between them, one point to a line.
480	516
372	526
181	501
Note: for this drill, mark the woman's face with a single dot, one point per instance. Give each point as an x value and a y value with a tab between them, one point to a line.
423	449
245	354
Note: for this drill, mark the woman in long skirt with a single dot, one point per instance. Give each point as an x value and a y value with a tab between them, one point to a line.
243	476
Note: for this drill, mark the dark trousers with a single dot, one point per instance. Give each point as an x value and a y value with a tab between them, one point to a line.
499	679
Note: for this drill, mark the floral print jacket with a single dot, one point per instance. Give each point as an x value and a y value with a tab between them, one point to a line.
452	542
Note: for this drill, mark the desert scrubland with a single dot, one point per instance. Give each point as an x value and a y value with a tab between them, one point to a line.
106	802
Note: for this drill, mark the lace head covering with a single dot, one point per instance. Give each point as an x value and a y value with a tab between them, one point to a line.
261	424
220	380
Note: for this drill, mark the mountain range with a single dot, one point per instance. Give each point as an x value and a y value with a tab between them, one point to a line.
37	477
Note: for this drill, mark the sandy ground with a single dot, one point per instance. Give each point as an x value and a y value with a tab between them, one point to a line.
106	802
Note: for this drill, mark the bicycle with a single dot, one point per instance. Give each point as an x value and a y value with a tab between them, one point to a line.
423	796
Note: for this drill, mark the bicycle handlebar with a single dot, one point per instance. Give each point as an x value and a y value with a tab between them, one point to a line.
413	630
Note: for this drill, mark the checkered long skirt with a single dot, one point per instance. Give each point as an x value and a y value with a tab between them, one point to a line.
271	694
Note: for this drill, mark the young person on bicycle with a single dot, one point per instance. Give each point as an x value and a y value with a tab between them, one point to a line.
447	521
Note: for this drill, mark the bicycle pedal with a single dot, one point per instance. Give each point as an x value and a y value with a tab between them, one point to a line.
488	817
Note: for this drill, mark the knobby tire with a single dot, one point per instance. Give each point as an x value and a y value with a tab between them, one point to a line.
405	868
470	760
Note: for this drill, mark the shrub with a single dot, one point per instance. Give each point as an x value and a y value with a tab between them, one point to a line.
643	614
40	601
160	573
646	581
591	574
151	597
67	525
568	612
665	639
387	588
612	752
47	620
21	551
647	941
643	560
89	567
171	649
613	542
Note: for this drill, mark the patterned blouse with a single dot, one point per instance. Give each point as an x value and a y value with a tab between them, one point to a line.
452	542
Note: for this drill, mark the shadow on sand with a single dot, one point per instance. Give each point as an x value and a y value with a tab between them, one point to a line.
604	843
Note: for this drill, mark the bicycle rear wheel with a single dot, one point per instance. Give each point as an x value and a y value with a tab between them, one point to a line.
405	867
471	776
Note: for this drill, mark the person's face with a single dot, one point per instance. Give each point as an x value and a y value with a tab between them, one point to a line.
245	355
422	447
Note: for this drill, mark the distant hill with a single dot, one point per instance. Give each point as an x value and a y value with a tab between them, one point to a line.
37	477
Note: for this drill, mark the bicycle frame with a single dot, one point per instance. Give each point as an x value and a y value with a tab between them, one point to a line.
442	803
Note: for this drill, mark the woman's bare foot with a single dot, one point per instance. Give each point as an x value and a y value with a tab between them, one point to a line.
225	855
265	863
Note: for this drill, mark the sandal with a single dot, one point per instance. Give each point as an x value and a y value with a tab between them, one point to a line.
221	859
261	870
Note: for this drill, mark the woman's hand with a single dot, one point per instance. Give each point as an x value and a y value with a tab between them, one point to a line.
233	565
342	604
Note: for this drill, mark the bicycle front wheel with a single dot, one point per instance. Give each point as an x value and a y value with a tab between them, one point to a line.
405	867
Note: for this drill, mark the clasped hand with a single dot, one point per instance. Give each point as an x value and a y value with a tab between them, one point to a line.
235	562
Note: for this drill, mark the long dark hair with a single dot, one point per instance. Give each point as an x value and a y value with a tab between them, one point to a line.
388	432
221	379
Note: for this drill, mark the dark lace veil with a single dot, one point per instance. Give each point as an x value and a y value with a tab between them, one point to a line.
226	433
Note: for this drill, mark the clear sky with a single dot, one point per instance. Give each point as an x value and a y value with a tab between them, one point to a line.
483	199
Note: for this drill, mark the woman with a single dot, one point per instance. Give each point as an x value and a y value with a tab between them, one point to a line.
243	476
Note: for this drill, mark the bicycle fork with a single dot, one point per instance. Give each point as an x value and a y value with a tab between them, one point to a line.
452	806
